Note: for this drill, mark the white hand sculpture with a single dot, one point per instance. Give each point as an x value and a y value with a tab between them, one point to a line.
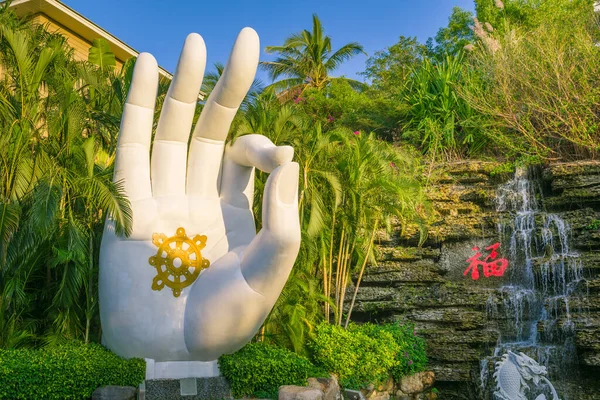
207	190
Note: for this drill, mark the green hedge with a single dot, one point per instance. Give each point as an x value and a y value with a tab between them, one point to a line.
412	357
368	353
360	355
259	369
71	371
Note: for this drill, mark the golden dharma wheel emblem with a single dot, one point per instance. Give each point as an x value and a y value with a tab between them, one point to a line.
178	261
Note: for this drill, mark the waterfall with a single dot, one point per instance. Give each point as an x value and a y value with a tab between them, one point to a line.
533	310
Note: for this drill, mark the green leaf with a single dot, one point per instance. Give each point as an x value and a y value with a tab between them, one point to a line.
101	55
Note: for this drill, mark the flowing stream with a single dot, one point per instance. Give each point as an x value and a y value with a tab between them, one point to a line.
542	288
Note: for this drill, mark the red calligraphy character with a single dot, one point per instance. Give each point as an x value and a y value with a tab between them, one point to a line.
495	267
474	263
493	254
491	266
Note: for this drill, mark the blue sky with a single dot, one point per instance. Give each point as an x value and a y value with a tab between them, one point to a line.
159	27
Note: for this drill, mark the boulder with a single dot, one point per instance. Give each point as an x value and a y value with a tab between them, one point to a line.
114	393
329	387
368	391
375	395
428	378
291	392
431	396
353	395
388	386
417	383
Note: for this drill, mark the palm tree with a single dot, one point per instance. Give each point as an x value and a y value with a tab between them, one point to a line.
55	188
380	183
306	60
211	78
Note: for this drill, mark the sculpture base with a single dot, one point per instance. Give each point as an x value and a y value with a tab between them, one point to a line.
181	369
215	388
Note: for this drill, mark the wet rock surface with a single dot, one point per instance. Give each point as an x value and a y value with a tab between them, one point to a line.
426	285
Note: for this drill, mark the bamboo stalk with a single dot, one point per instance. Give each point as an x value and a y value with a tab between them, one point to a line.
337	272
344	279
360	275
325	290
330	275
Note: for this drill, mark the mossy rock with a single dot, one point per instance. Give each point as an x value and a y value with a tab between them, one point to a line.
454	353
564	169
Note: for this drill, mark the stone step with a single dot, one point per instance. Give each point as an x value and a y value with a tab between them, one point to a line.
407	297
590	358
441	336
588	304
588	339
389	272
454	353
593	286
407	254
465	318
452	371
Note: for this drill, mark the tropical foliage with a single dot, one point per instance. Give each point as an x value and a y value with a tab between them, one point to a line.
351	185
306	59
59	123
516	81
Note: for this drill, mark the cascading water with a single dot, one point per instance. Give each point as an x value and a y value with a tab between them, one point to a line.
532	310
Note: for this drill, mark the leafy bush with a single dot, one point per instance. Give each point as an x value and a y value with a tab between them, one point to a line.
70	371
412	357
438	120
368	353
361	355
259	369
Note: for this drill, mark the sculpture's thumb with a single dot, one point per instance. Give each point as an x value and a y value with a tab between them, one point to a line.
267	261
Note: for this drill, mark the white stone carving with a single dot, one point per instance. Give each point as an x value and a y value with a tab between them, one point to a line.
517	375
206	188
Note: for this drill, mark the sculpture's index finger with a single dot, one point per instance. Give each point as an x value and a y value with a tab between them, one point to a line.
170	147
232	87
207	145
240	70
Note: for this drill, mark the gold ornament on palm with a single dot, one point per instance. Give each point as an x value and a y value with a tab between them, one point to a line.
178	261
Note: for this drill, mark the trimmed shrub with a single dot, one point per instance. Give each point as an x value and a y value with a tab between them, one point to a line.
361	355
70	371
259	369
411	357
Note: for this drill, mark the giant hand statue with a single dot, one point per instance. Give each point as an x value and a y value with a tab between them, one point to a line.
194	280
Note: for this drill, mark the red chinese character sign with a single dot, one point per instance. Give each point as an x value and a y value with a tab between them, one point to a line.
490	266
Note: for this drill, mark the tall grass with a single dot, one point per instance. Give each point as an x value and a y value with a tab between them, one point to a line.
438	120
540	88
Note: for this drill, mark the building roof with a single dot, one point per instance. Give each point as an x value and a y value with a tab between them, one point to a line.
78	24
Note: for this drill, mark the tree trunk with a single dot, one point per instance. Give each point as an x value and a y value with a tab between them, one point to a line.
328	278
360	275
347	262
88	314
338	270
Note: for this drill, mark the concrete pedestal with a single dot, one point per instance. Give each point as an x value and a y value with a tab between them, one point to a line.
181	369
166	380
215	388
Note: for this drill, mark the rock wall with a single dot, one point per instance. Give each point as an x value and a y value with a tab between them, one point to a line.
425	284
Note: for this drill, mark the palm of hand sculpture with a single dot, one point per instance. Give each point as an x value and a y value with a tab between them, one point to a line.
194	280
